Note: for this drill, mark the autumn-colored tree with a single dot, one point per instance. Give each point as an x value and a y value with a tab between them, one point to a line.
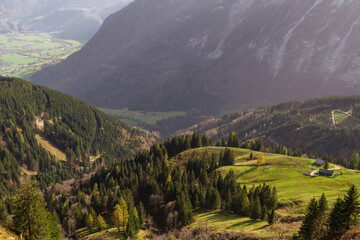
100	222
90	222
121	215
261	160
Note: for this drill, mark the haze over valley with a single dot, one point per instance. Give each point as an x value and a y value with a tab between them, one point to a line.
180	119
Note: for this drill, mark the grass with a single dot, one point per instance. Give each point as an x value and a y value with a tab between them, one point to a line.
339	117
294	189
284	172
60	155
141	116
220	221
24	54
111	233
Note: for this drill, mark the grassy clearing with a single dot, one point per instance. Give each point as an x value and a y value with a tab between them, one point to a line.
141	116
284	172
220	221
339	117
23	54
60	155
108	234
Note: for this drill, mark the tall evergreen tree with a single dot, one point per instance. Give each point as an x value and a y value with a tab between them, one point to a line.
90	222
351	207
233	140
272	217
100	222
322	217
30	215
256	209
336	219
308	228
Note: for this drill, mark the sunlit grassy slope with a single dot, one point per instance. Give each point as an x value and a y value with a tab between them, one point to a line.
284	172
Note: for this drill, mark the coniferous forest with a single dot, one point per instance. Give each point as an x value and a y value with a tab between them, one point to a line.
114	176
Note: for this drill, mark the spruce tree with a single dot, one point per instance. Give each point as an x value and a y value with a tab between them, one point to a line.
264	213
256	209
100	222
31	218
184	208
308	228
322	218
245	205
142	215
336	220
354	161
90	222
233	140
351	207
272	217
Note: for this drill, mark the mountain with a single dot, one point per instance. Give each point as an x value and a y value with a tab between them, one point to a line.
55	137
213	56
77	20
326	125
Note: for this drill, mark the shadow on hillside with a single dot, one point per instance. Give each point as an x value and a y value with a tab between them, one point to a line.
247	171
116	234
245	223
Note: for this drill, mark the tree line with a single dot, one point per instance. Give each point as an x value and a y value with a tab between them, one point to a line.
153	190
323	222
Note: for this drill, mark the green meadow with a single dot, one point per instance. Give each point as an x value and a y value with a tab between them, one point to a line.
290	177
134	117
23	54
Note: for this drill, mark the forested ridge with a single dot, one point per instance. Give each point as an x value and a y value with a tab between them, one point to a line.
307	125
72	126
152	191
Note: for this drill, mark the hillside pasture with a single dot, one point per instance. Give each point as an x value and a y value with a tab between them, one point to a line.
286	173
290	177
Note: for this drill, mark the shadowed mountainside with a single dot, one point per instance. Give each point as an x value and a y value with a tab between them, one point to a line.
212	56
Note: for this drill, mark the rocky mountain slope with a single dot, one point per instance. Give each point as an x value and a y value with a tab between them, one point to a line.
78	19
215	55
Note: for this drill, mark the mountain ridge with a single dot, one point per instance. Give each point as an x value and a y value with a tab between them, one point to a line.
325	125
212	56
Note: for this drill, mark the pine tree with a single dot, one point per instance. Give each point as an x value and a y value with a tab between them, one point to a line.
272	217
31	218
142	215
336	220
308	228
184	208
233	140
354	161
90	222
264	213
322	217
245	205
100	222
256	209
351	207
